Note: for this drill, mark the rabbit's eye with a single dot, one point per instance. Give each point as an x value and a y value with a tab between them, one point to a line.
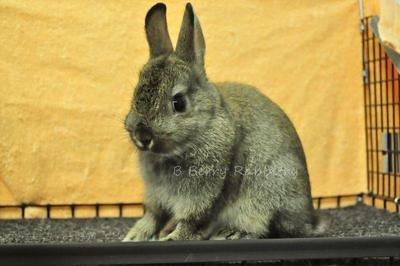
179	103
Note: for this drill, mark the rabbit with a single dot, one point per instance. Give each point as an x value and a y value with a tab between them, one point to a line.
218	160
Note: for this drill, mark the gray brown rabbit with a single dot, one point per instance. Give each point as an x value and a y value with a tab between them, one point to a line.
218	160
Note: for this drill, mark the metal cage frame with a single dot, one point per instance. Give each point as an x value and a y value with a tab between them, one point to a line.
382	116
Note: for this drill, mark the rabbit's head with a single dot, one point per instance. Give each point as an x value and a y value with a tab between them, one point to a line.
173	102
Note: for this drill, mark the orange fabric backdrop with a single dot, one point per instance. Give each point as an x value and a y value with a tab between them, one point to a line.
68	68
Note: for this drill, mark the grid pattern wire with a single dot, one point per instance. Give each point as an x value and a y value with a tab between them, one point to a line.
382	118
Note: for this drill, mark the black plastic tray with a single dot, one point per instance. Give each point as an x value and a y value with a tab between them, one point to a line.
199	251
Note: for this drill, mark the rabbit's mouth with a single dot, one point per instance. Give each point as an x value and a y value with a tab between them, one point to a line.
158	146
144	146
163	147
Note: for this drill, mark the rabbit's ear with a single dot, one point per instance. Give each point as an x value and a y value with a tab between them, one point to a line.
157	31
191	46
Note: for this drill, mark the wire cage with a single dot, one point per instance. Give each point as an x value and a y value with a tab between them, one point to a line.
382	131
382	118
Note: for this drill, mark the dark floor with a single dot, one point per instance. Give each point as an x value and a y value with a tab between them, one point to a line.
358	220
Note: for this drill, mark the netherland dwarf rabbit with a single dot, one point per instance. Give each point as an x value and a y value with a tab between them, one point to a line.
218	160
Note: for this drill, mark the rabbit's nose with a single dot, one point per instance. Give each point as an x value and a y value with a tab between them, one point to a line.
143	135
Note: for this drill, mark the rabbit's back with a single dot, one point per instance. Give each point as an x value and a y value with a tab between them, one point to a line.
254	112
274	174
267	134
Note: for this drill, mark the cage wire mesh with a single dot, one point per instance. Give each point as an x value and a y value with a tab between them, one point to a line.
382	119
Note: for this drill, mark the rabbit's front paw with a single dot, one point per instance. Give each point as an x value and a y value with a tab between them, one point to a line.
138	234
183	231
181	235
141	231
173	237
232	234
